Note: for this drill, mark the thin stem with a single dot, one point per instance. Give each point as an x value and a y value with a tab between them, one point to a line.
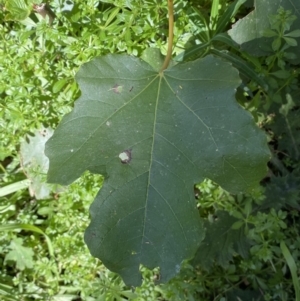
171	34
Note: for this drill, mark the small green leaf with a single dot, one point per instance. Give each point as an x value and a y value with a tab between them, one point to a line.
276	44
248	208
18	9
282	224
269	33
111	13
290	41
127	36
238	215
293	34
281	74
237	225
290	55
59	85
23	256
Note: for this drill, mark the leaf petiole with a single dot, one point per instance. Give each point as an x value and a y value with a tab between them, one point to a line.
171	34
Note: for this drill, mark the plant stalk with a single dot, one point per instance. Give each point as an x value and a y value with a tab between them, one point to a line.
171	34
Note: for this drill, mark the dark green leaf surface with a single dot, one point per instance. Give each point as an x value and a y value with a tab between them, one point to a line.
221	242
287	129
283	192
154	135
244	295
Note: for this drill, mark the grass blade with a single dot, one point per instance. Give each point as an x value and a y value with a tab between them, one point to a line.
11	188
214	15
12	227
230	12
292	266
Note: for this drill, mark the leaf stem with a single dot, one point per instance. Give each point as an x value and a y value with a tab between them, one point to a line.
171	34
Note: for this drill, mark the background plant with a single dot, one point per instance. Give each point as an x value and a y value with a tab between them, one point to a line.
38	64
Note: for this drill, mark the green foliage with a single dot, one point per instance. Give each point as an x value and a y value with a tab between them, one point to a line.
21	255
146	147
292	265
286	129
18	9
222	241
251	31
38	62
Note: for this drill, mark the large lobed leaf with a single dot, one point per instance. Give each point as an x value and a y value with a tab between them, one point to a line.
154	135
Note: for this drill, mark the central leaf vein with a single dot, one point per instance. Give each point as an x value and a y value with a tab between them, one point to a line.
151	158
